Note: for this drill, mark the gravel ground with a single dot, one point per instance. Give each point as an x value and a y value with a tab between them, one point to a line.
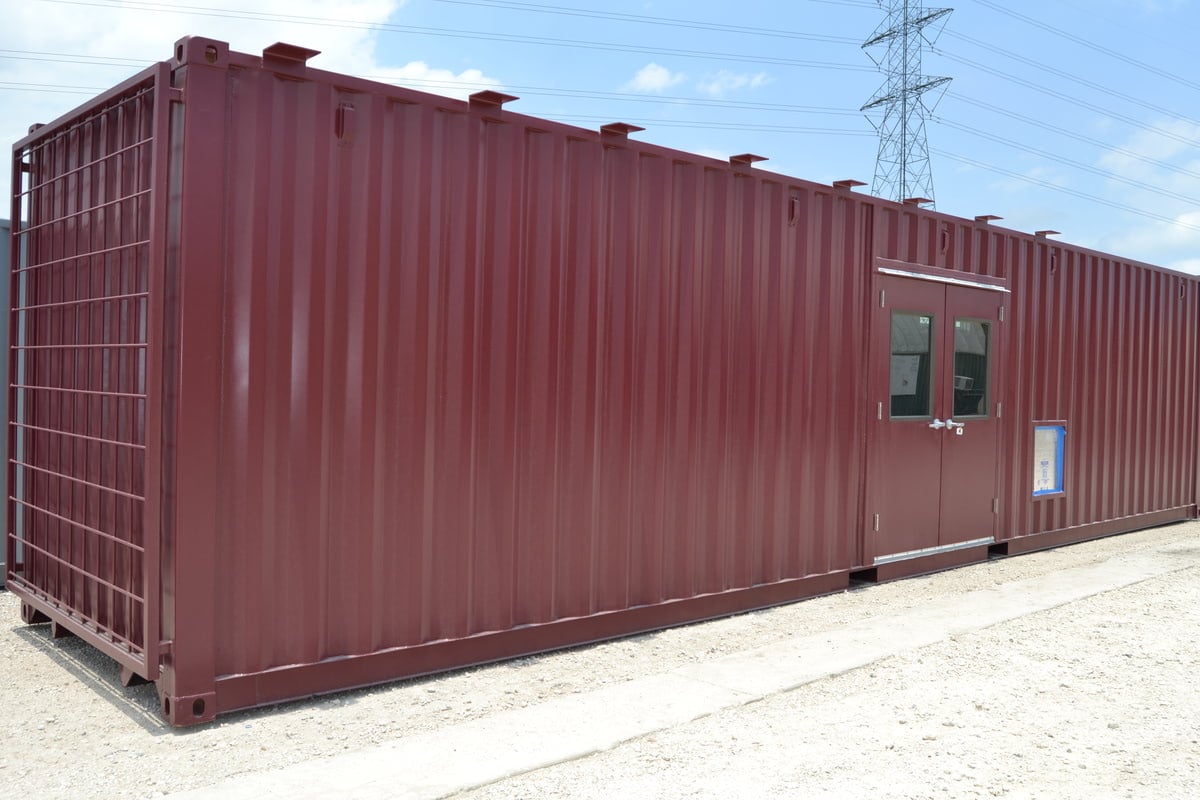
1095	698
1092	699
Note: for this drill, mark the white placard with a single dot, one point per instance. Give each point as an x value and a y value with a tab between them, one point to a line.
1046	453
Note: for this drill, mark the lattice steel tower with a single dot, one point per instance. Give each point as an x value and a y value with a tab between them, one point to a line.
902	166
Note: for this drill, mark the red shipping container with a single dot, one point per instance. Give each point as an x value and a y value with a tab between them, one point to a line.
318	382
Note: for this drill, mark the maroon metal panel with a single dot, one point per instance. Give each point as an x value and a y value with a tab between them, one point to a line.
84	385
442	383
1108	345
448	371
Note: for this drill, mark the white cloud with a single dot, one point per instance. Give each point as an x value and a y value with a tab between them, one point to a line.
1048	175
1161	141
1033	176
1171	244
419	75
1172	191
653	78
115	41
722	83
1182	232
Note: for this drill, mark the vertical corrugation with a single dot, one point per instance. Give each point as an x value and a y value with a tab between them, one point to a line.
1090	341
1095	342
484	375
1128	346
651	347
769	227
1128	332
806	369
1089	365
1163	353
363	357
610	518
383	559
1110	386
416	198
1058	279
494	551
536	328
681	264
1146	398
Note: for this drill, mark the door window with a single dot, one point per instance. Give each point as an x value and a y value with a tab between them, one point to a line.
971	354
912	364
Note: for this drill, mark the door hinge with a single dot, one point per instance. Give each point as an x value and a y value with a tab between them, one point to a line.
995	505
882	295
877	523
1002	313
879	410
999	409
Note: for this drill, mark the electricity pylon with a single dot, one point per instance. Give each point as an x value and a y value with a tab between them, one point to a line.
902	166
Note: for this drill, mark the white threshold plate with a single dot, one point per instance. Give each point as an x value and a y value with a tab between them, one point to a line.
929	551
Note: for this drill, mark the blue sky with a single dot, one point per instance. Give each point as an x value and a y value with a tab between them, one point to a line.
1077	116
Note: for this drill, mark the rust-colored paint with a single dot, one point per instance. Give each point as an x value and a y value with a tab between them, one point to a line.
405	383
1105	344
4	270
933	474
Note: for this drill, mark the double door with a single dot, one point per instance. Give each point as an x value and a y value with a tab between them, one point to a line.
933	450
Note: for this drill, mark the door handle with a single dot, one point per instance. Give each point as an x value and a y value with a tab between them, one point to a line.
937	424
956	426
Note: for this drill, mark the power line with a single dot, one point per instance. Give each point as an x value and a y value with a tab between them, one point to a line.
701	102
1064	190
630	97
850	3
541	41
1088	43
1091	11
72	58
1099	87
1058	129
1066	98
719	27
1068	161
50	88
733	126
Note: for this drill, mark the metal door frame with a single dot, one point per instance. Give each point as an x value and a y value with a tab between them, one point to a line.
903	269
36	603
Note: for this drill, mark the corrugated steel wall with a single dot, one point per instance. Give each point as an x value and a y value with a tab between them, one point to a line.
1111	349
481	374
433	370
1107	345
